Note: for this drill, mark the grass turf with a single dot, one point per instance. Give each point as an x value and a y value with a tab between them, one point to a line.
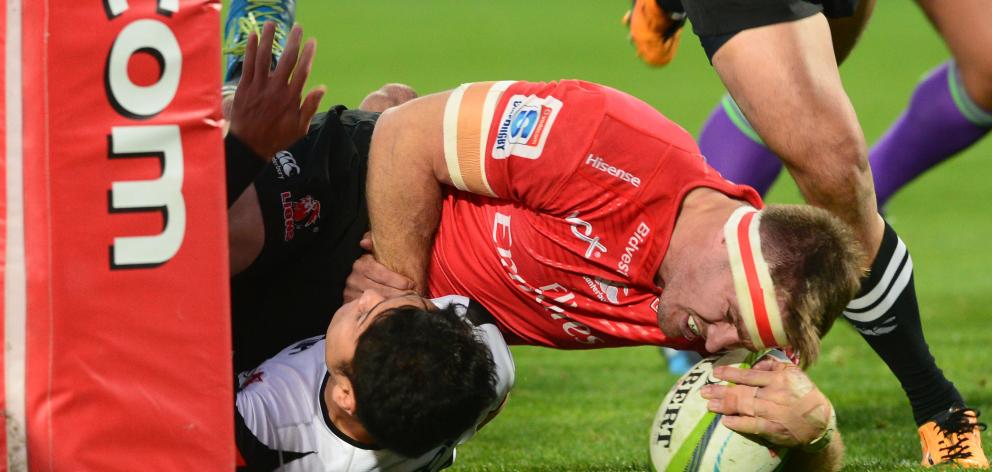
591	410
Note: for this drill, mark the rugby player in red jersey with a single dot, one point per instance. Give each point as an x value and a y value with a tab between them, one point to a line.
778	60
729	275
580	217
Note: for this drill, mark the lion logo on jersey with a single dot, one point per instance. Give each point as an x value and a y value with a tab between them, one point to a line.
306	211
303	213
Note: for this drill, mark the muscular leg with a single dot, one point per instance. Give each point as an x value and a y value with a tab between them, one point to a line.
729	142
954	101
796	102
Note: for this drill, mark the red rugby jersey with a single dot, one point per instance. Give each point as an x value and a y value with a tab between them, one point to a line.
567	194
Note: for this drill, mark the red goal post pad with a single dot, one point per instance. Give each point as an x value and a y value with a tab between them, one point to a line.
126	323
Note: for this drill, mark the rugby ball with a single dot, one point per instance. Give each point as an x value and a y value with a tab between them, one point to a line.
686	436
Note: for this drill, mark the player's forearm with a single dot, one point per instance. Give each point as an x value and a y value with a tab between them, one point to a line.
829	459
404	198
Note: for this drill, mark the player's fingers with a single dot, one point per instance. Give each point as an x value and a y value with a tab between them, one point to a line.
757	426
358	287
290	54
735	400
746	398
745	424
303	68
263	62
309	108
771	364
770	431
248	67
711	392
757	378
380	274
366	242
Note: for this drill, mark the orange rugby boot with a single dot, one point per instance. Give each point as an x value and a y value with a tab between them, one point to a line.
954	437
654	31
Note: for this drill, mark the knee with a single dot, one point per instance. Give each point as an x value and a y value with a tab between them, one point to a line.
976	75
841	148
834	167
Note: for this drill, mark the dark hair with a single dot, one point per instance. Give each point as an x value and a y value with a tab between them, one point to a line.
816	264
421	378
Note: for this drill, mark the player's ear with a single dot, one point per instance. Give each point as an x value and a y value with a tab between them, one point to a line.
343	395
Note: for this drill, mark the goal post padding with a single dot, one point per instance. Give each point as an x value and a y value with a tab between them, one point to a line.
126	323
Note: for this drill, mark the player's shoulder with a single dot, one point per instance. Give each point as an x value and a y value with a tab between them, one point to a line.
304	350
299	366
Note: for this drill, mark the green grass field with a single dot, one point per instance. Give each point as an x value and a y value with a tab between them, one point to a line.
592	410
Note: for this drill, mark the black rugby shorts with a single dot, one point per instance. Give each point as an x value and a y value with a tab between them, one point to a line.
716	21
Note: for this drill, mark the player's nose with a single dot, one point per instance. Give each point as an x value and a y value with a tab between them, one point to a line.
721	338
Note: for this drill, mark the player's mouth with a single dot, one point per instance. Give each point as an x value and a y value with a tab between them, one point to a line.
686	325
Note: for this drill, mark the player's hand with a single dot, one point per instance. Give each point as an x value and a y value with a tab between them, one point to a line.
774	400
268	114
367	274
655	32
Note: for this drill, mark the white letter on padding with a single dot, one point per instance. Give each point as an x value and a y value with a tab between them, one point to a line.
163	193
144	101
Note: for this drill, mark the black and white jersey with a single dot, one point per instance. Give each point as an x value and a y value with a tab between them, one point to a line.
282	421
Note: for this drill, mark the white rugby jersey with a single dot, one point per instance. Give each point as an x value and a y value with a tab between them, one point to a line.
280	420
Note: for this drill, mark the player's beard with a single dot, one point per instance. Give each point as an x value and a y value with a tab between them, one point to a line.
666	320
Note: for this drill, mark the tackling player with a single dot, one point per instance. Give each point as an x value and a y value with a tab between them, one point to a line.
759	50
394	384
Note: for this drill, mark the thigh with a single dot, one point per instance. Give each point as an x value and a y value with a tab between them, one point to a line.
966	26
785	79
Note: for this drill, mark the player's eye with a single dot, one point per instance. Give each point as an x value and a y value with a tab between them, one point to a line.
693	326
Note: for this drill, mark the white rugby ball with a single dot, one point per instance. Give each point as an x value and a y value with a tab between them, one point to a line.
686	436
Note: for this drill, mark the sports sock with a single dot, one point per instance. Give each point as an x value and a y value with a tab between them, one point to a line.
732	147
886	314
941	120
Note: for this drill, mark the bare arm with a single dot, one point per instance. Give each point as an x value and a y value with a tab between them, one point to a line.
405	175
797	104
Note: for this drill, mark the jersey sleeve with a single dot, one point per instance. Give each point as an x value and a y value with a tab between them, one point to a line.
519	141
